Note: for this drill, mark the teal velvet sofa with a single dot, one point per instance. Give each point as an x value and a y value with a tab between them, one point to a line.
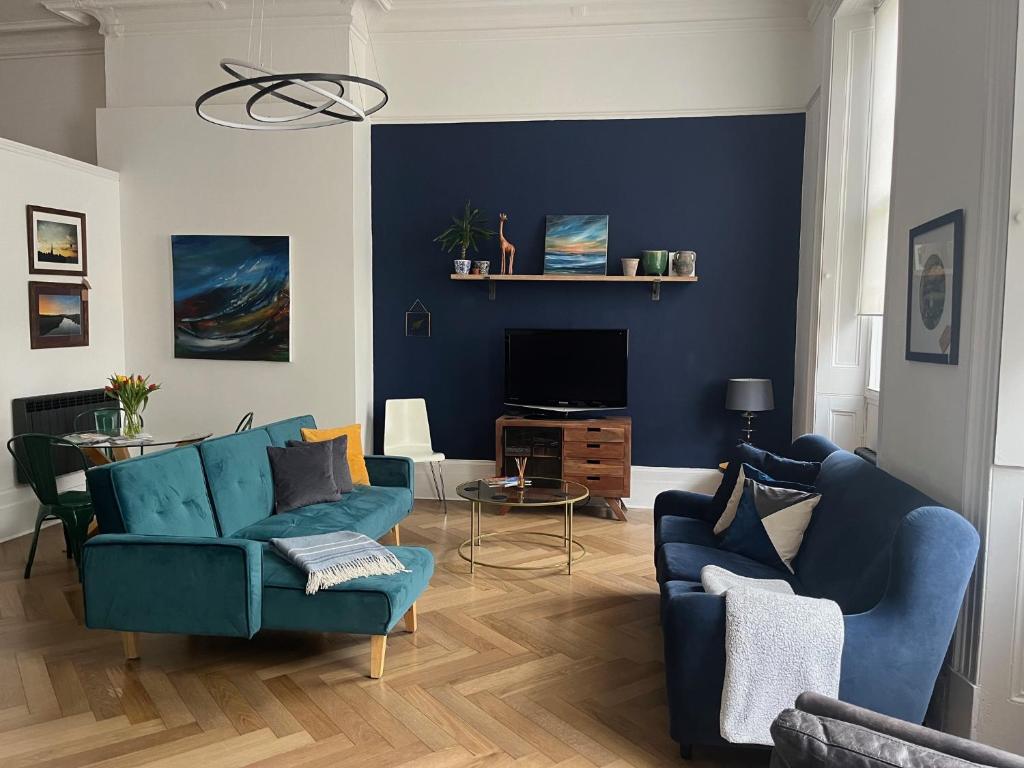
184	546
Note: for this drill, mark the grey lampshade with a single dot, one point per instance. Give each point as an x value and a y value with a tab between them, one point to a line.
749	395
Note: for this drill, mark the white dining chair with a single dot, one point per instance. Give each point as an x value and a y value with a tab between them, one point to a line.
407	433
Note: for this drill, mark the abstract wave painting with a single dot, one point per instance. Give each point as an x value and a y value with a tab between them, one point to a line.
576	245
231	297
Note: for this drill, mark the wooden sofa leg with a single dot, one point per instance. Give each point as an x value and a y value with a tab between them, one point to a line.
378	647
130	641
410	618
396	536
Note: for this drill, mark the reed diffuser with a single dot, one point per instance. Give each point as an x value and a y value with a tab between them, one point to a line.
521	466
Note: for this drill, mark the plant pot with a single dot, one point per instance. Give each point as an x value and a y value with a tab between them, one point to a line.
481	267
655	262
462	266
630	266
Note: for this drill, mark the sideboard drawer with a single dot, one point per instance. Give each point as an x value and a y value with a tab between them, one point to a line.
611	467
595	450
600	485
585	434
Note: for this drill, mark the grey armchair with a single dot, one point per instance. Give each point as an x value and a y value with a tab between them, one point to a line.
821	731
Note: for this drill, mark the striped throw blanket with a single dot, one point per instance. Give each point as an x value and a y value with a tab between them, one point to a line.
335	558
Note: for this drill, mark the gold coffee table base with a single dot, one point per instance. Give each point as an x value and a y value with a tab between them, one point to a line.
577	554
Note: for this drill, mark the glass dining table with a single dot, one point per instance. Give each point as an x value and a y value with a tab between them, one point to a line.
104	449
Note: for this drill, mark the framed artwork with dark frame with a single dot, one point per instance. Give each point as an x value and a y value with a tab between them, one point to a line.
58	315
56	241
934	288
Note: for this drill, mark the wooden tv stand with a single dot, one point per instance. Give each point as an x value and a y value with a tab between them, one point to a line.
593	452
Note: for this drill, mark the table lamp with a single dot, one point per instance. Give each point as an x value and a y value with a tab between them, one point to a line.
750	396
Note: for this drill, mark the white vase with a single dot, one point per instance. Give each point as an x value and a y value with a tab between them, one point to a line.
630	266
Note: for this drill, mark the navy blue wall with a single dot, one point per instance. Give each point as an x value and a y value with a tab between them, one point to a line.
726	187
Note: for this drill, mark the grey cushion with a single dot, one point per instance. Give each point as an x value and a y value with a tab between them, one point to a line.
302	475
825	732
339	461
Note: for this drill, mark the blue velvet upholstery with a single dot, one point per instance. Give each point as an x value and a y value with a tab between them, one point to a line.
238	474
368	509
367	606
289	429
670	529
682	562
896	563
392	471
162	493
184	549
187	585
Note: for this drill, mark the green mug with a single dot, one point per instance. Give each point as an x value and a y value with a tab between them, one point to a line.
654	262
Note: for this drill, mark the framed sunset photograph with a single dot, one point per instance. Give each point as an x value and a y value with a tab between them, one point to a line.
56	241
58	316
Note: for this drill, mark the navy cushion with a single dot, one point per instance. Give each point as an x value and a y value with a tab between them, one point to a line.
683	530
370	510
747	536
774	466
683	562
780	467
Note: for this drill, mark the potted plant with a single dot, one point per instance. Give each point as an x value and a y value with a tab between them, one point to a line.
463	234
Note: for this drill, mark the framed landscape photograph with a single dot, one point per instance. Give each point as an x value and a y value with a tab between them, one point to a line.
58	316
56	241
231	297
933	290
576	245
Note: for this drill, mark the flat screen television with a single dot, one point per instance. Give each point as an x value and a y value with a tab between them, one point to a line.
566	370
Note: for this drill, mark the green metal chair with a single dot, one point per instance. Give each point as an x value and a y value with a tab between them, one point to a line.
34	455
245	423
106	421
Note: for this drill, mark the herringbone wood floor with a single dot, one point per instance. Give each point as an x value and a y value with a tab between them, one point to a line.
507	669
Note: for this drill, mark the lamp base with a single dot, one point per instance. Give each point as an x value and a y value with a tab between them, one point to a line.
748	430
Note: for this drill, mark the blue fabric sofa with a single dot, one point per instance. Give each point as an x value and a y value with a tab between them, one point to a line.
183	546
895	562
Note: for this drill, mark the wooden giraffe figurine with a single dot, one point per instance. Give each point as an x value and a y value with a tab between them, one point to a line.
507	249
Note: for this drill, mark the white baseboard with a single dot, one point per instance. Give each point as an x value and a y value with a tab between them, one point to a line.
645	483
19	506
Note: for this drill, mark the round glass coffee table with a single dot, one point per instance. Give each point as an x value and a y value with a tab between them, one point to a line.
539	492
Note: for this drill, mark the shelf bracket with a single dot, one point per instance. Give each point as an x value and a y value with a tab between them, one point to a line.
490	290
656	290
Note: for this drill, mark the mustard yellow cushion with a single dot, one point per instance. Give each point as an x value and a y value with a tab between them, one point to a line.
356	462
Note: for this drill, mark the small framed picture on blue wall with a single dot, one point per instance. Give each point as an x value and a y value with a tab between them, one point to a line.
934	286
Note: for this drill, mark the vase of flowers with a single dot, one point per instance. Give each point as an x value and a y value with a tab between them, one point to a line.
132	392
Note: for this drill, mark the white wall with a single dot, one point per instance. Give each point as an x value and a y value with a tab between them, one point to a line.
953	101
57	182
181	175
50	102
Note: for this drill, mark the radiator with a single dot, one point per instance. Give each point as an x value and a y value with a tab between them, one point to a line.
55	415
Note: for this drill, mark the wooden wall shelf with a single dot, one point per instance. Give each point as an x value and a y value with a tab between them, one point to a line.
654	281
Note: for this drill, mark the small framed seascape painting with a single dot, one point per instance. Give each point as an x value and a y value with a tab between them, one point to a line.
58	315
934	286
576	245
56	241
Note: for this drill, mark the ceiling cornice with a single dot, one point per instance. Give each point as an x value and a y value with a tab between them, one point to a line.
48	37
496	15
489	17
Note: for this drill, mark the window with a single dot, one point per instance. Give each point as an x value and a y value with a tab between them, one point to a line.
876	225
